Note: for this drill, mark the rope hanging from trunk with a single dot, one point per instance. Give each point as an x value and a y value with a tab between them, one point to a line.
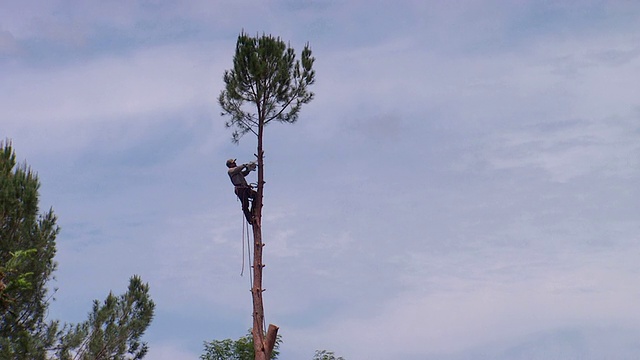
245	229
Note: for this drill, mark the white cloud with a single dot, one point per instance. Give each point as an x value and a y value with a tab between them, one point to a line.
463	318
146	81
565	151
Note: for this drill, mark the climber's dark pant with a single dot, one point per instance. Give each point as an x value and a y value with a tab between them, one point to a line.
244	194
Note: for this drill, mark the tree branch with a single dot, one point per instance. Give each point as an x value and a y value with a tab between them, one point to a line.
293	97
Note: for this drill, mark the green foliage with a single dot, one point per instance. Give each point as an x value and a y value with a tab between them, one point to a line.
11	278
27	248
266	75
114	328
241	349
326	355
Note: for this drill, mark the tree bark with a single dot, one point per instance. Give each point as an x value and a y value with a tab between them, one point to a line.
270	340
261	351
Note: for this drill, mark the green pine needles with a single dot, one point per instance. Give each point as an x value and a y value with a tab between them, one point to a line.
27	248
114	328
266	75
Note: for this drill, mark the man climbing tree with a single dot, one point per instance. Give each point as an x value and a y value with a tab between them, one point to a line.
266	83
242	189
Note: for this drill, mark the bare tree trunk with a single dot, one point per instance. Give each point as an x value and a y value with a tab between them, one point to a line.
256	291
262	347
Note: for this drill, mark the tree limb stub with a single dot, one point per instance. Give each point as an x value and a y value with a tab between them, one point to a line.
270	339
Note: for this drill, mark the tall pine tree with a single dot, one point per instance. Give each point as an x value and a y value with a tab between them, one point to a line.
266	83
27	245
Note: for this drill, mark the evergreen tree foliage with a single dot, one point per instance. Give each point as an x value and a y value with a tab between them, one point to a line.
266	83
114	328
27	248
18	280
241	349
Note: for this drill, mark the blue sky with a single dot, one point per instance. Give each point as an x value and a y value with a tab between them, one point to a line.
463	186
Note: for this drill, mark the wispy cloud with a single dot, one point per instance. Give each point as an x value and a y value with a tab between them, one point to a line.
465	175
564	151
151	81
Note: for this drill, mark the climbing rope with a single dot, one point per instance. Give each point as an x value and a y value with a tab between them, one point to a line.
249	255
242	270
245	229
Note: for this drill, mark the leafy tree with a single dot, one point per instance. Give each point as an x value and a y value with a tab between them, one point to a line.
114	328
27	248
241	349
266	83
326	355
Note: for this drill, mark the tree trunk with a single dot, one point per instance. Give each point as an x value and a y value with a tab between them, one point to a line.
262	348
256	291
